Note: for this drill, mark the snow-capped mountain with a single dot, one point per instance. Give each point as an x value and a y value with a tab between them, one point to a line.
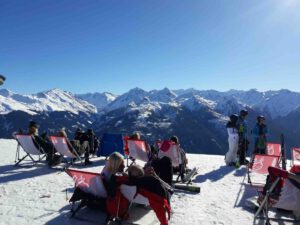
48	101
133	97
198	117
100	100
273	103
164	96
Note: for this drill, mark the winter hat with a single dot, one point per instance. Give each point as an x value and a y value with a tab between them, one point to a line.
33	124
174	139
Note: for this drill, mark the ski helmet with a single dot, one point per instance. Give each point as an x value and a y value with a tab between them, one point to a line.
260	117
243	112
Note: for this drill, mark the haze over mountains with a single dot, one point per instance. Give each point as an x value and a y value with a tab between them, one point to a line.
198	117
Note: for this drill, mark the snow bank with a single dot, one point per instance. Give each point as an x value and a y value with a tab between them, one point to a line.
35	195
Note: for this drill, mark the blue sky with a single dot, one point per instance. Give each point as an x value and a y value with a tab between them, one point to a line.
87	45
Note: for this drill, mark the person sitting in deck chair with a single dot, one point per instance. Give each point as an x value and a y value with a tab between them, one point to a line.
183	165
162	167
93	141
113	174
116	204
153	188
43	142
80	147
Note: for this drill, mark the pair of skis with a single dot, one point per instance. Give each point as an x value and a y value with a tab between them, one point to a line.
186	184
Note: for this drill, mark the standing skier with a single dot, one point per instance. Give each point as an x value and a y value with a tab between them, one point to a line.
243	142
260	132
233	141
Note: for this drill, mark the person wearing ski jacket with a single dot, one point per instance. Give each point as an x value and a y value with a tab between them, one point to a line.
233	141
260	132
243	141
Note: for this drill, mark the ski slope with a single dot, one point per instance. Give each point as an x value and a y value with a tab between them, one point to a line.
35	195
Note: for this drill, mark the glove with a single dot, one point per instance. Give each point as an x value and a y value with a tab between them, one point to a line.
273	171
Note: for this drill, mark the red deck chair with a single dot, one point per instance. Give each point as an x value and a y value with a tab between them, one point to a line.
274	149
88	182
92	183
62	147
26	142
289	198
260	165
296	157
171	150
137	150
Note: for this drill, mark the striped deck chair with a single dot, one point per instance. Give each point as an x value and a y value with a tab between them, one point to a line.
26	142
111	143
93	183
62	147
296	157
260	165
137	150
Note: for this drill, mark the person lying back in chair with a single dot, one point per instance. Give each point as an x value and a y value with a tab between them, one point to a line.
162	167
149	186
153	188
80	147
44	143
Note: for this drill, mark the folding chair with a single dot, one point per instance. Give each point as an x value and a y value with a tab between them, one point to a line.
289	199
171	150
62	147
295	157
111	143
137	150
92	183
26	142
260	165
273	149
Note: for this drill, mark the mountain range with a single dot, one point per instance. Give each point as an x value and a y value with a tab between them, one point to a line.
197	117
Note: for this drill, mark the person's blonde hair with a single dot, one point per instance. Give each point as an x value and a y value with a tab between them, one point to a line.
114	162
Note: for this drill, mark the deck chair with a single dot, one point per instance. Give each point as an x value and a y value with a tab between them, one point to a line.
62	147
26	142
289	199
111	143
137	150
171	150
260	165
92	183
295	157
273	149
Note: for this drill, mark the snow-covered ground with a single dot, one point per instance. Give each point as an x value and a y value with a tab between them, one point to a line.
35	195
